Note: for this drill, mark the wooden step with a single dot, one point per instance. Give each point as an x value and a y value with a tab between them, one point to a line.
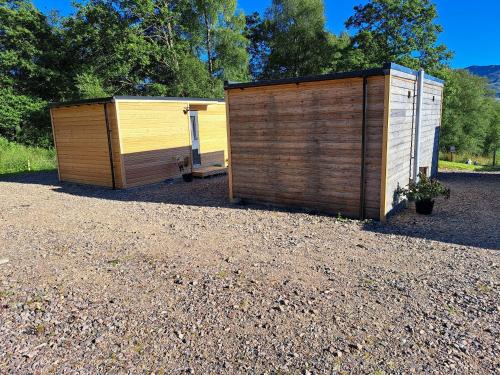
208	171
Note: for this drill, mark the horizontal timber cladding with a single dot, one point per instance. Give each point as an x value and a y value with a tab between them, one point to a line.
213	158
213	134
153	136
81	141
400	137
401	132
153	166
301	144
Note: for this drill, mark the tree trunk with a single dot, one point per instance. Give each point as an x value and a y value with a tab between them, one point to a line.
171	44
165	33
208	43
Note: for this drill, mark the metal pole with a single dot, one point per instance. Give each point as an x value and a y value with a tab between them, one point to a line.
418	123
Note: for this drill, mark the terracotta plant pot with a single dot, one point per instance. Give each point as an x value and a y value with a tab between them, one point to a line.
424	207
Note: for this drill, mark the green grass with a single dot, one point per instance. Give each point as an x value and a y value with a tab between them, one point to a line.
448	165
16	158
462	157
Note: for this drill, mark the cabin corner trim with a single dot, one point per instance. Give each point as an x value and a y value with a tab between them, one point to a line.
229	162
385	148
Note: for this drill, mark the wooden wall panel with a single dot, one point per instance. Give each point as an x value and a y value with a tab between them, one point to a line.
81	144
148	167
401	135
153	135
213	134
431	122
375	125
300	144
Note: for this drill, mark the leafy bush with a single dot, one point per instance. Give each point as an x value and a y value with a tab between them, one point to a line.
425	189
24	119
16	158
90	86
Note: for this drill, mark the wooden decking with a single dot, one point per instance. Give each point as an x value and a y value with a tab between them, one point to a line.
208	171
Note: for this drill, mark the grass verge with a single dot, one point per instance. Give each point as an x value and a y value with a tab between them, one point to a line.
16	158
449	165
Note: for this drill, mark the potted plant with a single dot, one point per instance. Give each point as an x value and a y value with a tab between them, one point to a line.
424	192
183	164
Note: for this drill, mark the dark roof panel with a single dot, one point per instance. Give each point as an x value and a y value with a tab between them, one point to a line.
81	102
322	77
384	70
113	98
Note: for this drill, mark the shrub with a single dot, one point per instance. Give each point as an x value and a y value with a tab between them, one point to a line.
425	189
24	119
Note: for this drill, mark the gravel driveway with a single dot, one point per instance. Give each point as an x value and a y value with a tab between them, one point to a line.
171	279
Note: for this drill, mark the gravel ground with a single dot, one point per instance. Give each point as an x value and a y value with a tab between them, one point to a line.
171	279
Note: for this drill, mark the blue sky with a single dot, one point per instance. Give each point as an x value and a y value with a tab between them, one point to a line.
471	28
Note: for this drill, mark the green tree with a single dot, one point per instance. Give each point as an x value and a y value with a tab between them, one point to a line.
468	112
256	31
32	71
89	86
401	31
24	118
291	40
155	47
30	60
167	29
492	139
106	48
218	37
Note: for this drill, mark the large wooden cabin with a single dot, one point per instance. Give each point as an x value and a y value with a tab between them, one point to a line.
340	143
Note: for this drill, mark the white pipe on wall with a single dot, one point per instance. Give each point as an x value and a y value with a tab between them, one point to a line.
418	123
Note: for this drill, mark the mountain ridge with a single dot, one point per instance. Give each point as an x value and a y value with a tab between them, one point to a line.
490	72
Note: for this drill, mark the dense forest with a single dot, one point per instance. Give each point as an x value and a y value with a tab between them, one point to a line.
189	47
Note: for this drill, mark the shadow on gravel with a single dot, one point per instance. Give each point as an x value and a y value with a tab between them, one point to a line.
471	217
210	192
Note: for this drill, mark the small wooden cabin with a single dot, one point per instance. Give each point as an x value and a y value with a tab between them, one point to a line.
125	141
339	143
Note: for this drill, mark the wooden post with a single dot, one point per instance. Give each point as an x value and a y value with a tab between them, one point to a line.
55	143
110	146
120	143
385	135
228	131
418	123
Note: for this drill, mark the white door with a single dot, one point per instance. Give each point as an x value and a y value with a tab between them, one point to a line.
195	137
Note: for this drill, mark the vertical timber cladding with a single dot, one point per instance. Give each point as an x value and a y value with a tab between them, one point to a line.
301	144
81	141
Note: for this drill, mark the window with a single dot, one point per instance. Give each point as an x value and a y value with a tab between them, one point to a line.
194	127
